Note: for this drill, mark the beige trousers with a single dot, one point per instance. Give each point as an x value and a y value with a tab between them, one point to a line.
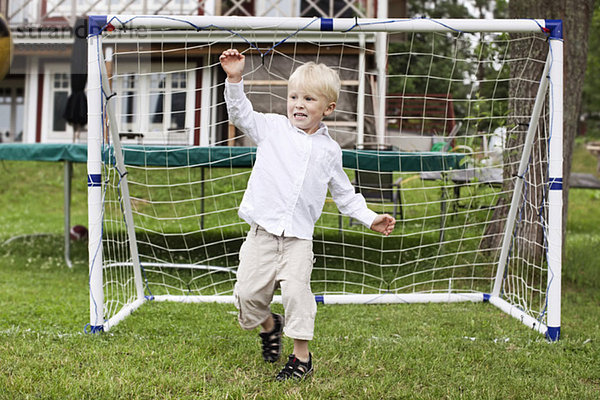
266	263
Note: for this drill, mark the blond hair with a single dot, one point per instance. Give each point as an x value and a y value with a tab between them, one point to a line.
317	78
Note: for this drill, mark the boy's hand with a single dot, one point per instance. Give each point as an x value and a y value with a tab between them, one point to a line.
233	63
384	223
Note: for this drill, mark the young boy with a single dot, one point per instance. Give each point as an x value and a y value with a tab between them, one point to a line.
296	162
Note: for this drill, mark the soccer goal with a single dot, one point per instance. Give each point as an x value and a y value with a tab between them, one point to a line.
453	126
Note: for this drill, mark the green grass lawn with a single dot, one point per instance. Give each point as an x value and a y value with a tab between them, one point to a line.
197	351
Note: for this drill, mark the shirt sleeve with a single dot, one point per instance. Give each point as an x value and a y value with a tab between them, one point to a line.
241	113
347	200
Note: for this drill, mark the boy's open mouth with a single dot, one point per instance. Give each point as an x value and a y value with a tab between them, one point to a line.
299	115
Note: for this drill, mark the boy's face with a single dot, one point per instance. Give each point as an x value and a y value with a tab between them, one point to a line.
306	110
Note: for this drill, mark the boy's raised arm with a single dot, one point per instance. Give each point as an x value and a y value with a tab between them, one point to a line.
232	62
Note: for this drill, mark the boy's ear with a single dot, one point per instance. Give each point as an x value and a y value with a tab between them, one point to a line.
329	109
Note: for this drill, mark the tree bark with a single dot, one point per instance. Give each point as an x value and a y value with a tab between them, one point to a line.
576	24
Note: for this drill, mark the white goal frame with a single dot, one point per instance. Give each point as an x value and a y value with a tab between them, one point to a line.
551	80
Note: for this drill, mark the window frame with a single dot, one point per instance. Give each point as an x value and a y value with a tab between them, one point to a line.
48	107
153	133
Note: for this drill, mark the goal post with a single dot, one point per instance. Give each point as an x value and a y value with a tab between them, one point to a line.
454	126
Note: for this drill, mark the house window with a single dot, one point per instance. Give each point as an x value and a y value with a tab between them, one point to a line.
237	7
178	95
157	99
154	105
11	112
60	94
277	8
327	8
167	101
5	113
129	102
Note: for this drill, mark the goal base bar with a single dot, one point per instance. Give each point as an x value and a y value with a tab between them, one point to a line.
551	333
123	313
386	298
391	298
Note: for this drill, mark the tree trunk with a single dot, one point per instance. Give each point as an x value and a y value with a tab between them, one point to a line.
576	25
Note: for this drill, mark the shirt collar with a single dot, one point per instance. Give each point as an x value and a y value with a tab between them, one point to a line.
323	130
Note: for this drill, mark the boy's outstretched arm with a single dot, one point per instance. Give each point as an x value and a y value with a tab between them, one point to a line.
384	223
233	62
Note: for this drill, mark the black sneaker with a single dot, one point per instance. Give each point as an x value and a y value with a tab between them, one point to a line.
296	369
271	341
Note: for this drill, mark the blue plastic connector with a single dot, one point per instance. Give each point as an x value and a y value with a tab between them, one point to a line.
556	183
327	24
96	23
555	26
94	180
553	333
93	329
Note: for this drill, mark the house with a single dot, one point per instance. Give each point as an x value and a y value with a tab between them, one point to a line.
34	94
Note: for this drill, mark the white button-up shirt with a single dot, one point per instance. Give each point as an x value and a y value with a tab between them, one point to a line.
288	184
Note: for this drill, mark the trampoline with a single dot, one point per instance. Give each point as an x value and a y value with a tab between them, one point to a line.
213	157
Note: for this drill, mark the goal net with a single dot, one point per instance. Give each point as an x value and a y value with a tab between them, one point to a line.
452	126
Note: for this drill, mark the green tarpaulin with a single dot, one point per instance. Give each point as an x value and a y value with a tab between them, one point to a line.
229	157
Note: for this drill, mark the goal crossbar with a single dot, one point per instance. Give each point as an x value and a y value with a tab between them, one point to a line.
235	23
